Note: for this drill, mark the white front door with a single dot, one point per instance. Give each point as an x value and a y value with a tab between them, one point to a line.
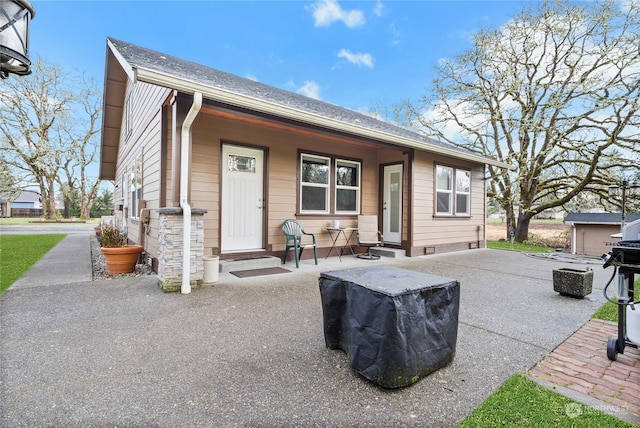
242	199
392	205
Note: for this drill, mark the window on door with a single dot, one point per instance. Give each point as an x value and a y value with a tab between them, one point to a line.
453	191
323	178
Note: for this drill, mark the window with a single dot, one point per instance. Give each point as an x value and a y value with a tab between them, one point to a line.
453	191
318	191
135	190
463	189
347	187
314	184
241	163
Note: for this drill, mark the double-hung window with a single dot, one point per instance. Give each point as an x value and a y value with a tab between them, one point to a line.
329	185
463	192
347	187
453	191
314	184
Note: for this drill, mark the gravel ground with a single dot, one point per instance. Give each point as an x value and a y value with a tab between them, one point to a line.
100	268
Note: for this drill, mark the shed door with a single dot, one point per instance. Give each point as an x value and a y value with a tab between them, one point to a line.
242	199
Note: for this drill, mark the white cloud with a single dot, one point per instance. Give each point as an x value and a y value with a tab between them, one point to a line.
326	12
378	9
395	34
358	59
251	77
310	89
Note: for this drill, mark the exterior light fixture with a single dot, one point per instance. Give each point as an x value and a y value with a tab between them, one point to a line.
15	16
622	191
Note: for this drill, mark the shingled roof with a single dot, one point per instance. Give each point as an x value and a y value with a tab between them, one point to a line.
599	218
165	70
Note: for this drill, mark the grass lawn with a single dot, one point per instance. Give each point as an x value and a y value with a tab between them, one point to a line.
16	221
609	311
520	402
19	252
525	248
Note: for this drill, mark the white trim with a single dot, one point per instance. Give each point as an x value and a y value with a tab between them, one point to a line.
128	71
327	186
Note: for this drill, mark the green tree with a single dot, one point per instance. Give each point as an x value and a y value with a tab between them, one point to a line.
103	204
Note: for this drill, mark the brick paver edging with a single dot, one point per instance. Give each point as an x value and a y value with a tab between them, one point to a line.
580	364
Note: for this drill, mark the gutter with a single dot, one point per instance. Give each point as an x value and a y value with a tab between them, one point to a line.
185	145
188	86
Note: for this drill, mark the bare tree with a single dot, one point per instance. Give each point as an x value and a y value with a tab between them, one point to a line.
8	188
44	131
80	139
555	93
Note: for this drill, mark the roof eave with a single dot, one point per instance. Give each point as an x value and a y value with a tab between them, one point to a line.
188	86
117	70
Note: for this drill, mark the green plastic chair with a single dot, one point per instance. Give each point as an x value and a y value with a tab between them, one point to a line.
294	234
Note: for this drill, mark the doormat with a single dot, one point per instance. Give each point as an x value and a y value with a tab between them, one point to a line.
259	272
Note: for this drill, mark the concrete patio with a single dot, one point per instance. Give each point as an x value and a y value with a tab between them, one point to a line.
251	352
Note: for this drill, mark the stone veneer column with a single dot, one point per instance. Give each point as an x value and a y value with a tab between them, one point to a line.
170	236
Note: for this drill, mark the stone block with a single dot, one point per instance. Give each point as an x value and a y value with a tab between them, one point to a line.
572	282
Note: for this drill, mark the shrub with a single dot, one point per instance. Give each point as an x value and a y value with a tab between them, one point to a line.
112	237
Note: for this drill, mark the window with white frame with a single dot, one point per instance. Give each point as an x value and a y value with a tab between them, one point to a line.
453	191
314	184
347	187
463	192
135	188
322	194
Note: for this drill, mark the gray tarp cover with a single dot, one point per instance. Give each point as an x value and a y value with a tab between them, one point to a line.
396	325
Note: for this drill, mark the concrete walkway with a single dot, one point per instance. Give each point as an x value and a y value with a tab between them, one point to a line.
251	352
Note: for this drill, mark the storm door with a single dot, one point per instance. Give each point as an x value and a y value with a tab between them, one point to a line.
392	204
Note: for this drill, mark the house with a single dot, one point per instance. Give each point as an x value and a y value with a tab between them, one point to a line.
224	160
26	204
593	234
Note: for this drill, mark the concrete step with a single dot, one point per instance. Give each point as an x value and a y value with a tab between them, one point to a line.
247	263
388	252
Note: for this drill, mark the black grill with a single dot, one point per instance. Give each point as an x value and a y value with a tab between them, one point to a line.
625	255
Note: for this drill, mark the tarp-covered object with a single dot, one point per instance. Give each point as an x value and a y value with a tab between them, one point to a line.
396	325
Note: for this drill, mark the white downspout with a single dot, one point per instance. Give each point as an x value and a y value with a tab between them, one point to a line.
185	145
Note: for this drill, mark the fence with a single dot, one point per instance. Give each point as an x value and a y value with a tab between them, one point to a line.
26	212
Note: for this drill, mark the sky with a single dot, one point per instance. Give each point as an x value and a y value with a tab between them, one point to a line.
357	54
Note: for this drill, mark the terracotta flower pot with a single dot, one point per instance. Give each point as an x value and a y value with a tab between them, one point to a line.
121	259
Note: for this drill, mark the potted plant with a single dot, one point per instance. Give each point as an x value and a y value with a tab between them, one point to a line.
118	255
